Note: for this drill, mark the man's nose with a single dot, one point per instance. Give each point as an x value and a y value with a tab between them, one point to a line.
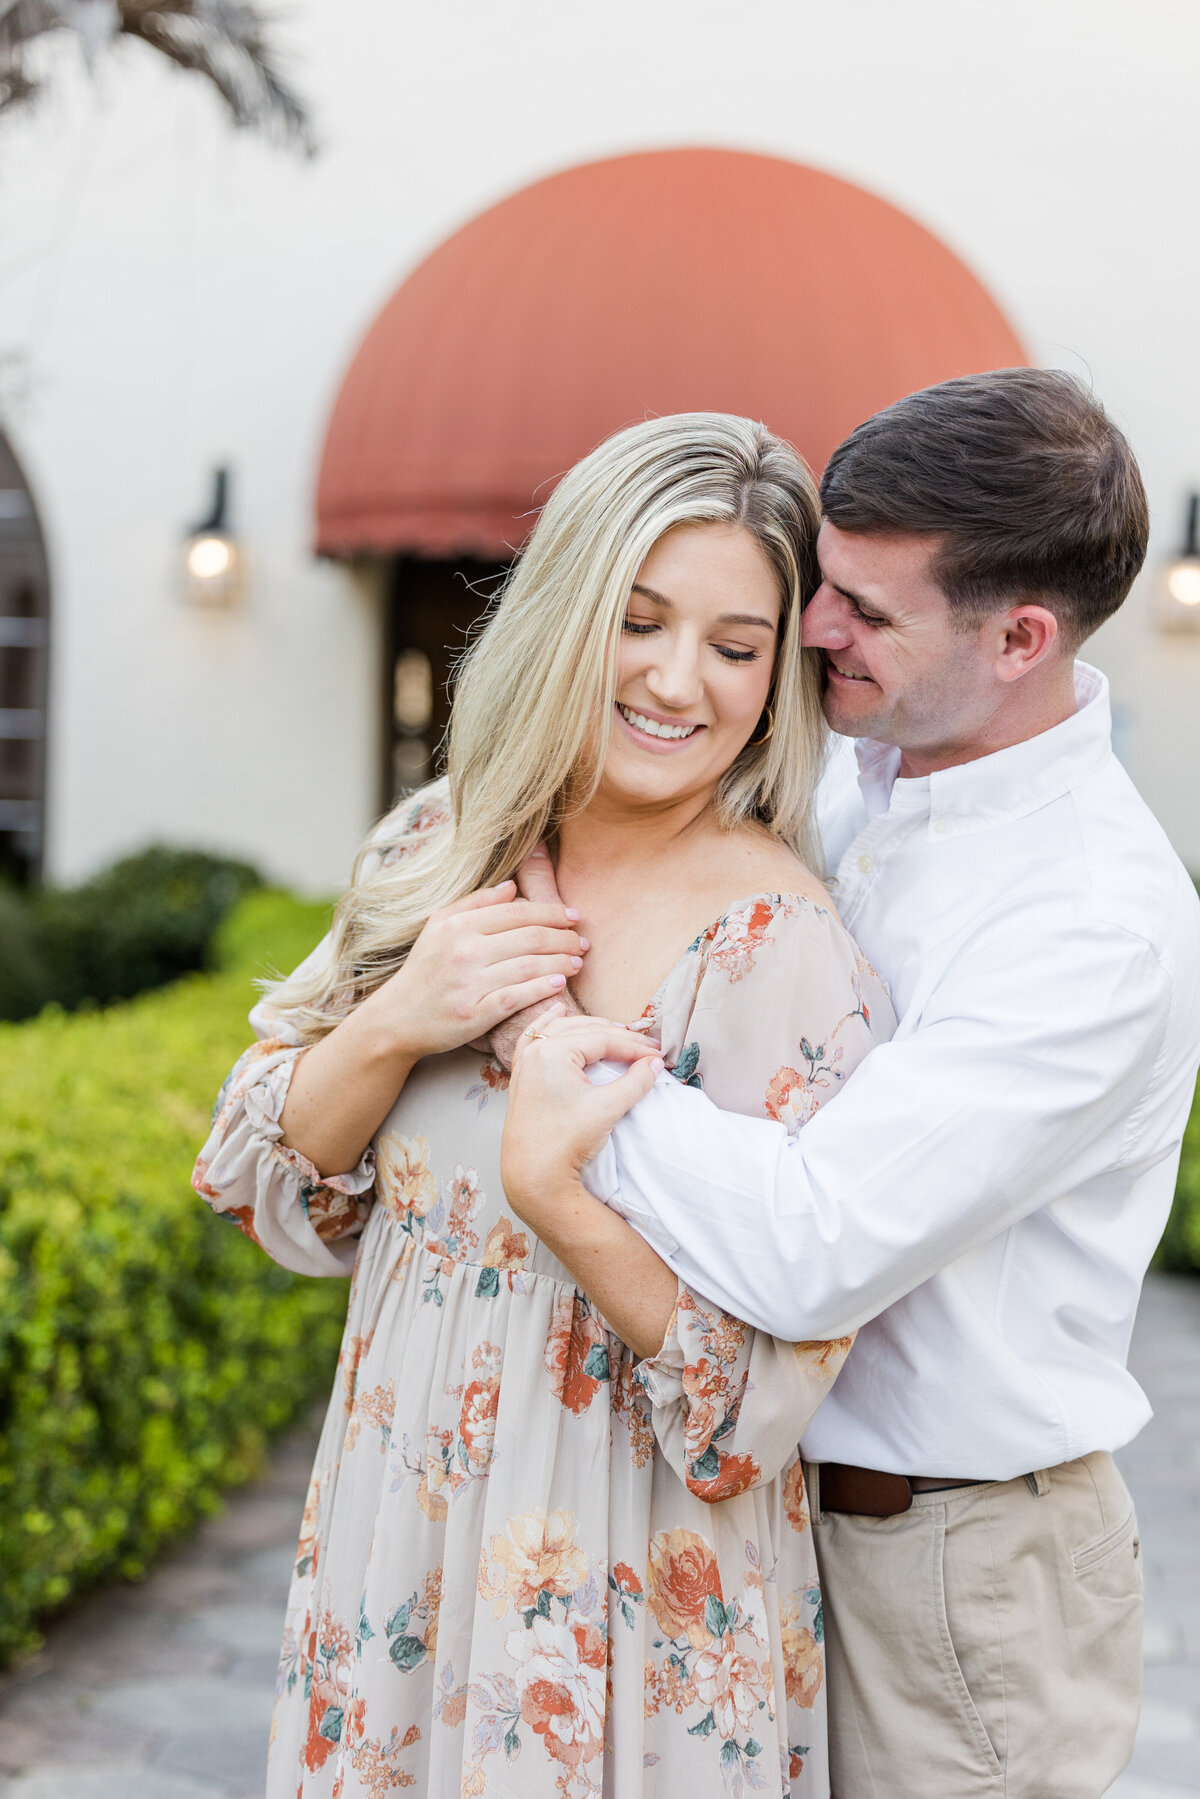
826	623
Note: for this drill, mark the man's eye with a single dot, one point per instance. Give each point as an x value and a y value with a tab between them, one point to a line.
868	618
636	628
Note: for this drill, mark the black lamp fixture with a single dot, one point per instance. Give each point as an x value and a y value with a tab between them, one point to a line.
212	560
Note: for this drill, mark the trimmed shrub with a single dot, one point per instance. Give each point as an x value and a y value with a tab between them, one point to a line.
147	1350
1180	1247
137	925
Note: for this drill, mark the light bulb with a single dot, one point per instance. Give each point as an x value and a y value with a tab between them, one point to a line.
208	558
1183	583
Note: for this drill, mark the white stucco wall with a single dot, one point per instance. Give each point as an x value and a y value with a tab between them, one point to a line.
181	295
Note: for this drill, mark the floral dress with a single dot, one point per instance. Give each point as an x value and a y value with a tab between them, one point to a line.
531	1566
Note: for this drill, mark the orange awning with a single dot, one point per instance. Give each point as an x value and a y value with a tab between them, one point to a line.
647	284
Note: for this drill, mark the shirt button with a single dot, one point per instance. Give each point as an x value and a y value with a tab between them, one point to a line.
866	864
939	825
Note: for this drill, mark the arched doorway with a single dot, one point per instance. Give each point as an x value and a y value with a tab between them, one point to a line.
646	284
24	671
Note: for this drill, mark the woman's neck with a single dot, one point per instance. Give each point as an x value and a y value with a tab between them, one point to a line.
607	834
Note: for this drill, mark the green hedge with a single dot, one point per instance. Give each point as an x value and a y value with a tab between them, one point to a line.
1180	1247
147	1350
142	922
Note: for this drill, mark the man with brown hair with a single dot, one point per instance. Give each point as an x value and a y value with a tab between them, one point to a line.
981	1201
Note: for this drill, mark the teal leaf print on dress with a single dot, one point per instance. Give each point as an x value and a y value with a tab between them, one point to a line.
596	1366
407	1652
330	1726
488	1284
705	1727
716	1618
707	1466
685	1069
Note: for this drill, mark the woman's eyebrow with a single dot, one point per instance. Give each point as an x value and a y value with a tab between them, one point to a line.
726	618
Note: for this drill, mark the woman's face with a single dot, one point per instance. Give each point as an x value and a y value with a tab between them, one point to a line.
695	664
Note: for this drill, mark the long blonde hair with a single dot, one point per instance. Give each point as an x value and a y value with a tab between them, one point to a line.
541	675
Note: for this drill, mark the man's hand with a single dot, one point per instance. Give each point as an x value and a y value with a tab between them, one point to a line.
557	1120
535	882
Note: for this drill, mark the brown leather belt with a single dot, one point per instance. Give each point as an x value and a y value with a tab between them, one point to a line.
869	1493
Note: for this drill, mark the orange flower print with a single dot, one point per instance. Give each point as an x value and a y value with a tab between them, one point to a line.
735	940
493	1078
477	1421
404	1179
306	1548
790	1099
735	1474
731	1682
466	1199
537	1554
377	1407
795	1498
824	1358
576	1356
504	1247
561	1677
331	1662
803	1666
629	1405
353	1350
683	1574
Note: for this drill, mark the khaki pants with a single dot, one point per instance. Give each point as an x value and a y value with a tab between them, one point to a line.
987	1642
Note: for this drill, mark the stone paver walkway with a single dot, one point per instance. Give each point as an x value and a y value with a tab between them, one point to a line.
1163	1469
163	1691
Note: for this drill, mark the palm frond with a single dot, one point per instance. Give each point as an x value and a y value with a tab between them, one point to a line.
228	42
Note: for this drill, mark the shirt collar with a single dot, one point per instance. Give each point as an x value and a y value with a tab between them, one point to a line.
1007	784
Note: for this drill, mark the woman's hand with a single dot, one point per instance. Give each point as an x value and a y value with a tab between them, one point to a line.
476	961
557	1120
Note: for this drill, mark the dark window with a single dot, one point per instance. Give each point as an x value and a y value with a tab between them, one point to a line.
431	610
24	671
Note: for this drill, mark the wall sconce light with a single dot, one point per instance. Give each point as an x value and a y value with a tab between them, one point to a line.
1179	604
212	556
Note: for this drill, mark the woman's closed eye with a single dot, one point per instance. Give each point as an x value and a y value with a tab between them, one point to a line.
641	627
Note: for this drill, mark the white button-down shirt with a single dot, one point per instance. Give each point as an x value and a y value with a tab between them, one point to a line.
982	1198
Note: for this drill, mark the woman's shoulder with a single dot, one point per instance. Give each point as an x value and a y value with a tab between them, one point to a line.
782	920
763	864
759	872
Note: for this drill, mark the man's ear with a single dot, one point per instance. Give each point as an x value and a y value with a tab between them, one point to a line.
1028	635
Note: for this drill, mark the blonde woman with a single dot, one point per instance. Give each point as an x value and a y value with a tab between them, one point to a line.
548	1552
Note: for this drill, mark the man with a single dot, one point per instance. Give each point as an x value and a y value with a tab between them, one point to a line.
982	1199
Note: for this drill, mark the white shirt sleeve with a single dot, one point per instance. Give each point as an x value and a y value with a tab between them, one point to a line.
1023	1076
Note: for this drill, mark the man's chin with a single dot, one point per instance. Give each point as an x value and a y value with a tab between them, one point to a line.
846	721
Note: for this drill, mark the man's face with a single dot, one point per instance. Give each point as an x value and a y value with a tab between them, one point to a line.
897	668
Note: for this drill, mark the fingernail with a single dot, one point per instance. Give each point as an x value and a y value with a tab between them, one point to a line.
572	914
541	850
585	943
558	980
657	1064
576	963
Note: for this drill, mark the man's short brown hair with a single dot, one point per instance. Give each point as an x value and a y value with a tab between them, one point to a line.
1031	489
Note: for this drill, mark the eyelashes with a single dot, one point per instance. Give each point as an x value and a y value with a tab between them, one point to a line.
633	627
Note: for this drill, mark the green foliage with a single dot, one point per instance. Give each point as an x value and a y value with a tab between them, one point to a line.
1180	1247
147	1350
137	925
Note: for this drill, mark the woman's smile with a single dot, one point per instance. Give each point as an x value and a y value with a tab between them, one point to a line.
656	732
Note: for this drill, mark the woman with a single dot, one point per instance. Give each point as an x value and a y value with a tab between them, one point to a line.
547	1552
